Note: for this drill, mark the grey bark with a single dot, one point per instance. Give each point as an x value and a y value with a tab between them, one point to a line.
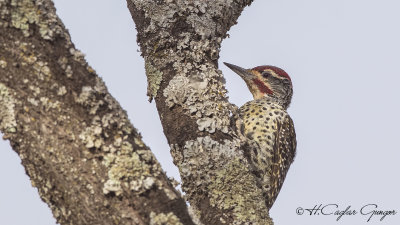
76	143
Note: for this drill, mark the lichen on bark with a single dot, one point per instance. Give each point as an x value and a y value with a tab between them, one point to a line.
74	129
154	78
75	141
8	123
182	40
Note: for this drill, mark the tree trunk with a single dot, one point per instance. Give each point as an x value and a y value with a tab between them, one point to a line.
180	42
76	143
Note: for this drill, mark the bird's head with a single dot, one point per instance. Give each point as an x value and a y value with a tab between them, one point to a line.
266	81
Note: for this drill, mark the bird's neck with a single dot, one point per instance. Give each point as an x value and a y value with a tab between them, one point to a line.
273	99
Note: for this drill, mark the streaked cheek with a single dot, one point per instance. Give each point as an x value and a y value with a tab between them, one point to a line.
262	87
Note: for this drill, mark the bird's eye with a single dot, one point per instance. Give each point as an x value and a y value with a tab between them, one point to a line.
266	74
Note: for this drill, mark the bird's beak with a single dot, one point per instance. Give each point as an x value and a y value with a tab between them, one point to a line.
243	73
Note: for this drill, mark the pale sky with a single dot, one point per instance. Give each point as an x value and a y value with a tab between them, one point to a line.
344	60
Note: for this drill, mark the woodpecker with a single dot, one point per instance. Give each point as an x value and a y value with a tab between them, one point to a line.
267	126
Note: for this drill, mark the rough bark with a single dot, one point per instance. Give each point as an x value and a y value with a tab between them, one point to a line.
180	41
88	162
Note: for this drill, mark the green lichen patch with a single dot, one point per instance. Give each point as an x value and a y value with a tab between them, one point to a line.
136	170
234	186
28	13
23	14
154	78
224	174
27	54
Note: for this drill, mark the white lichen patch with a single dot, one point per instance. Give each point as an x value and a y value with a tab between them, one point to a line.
28	57
49	104
164	219
198	159
195	214
33	101
62	91
42	70
197	95
27	13
68	71
142	185
139	142
113	186
63	62
87	97
85	94
206	124
35	90
197	154
78	55
3	64
154	78
91	136
8	123
170	194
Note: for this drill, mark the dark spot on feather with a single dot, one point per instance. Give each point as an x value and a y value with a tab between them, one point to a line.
255	153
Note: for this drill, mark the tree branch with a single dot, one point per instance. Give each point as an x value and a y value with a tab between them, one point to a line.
88	162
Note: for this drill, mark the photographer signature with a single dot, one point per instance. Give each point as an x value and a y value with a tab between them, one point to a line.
369	211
